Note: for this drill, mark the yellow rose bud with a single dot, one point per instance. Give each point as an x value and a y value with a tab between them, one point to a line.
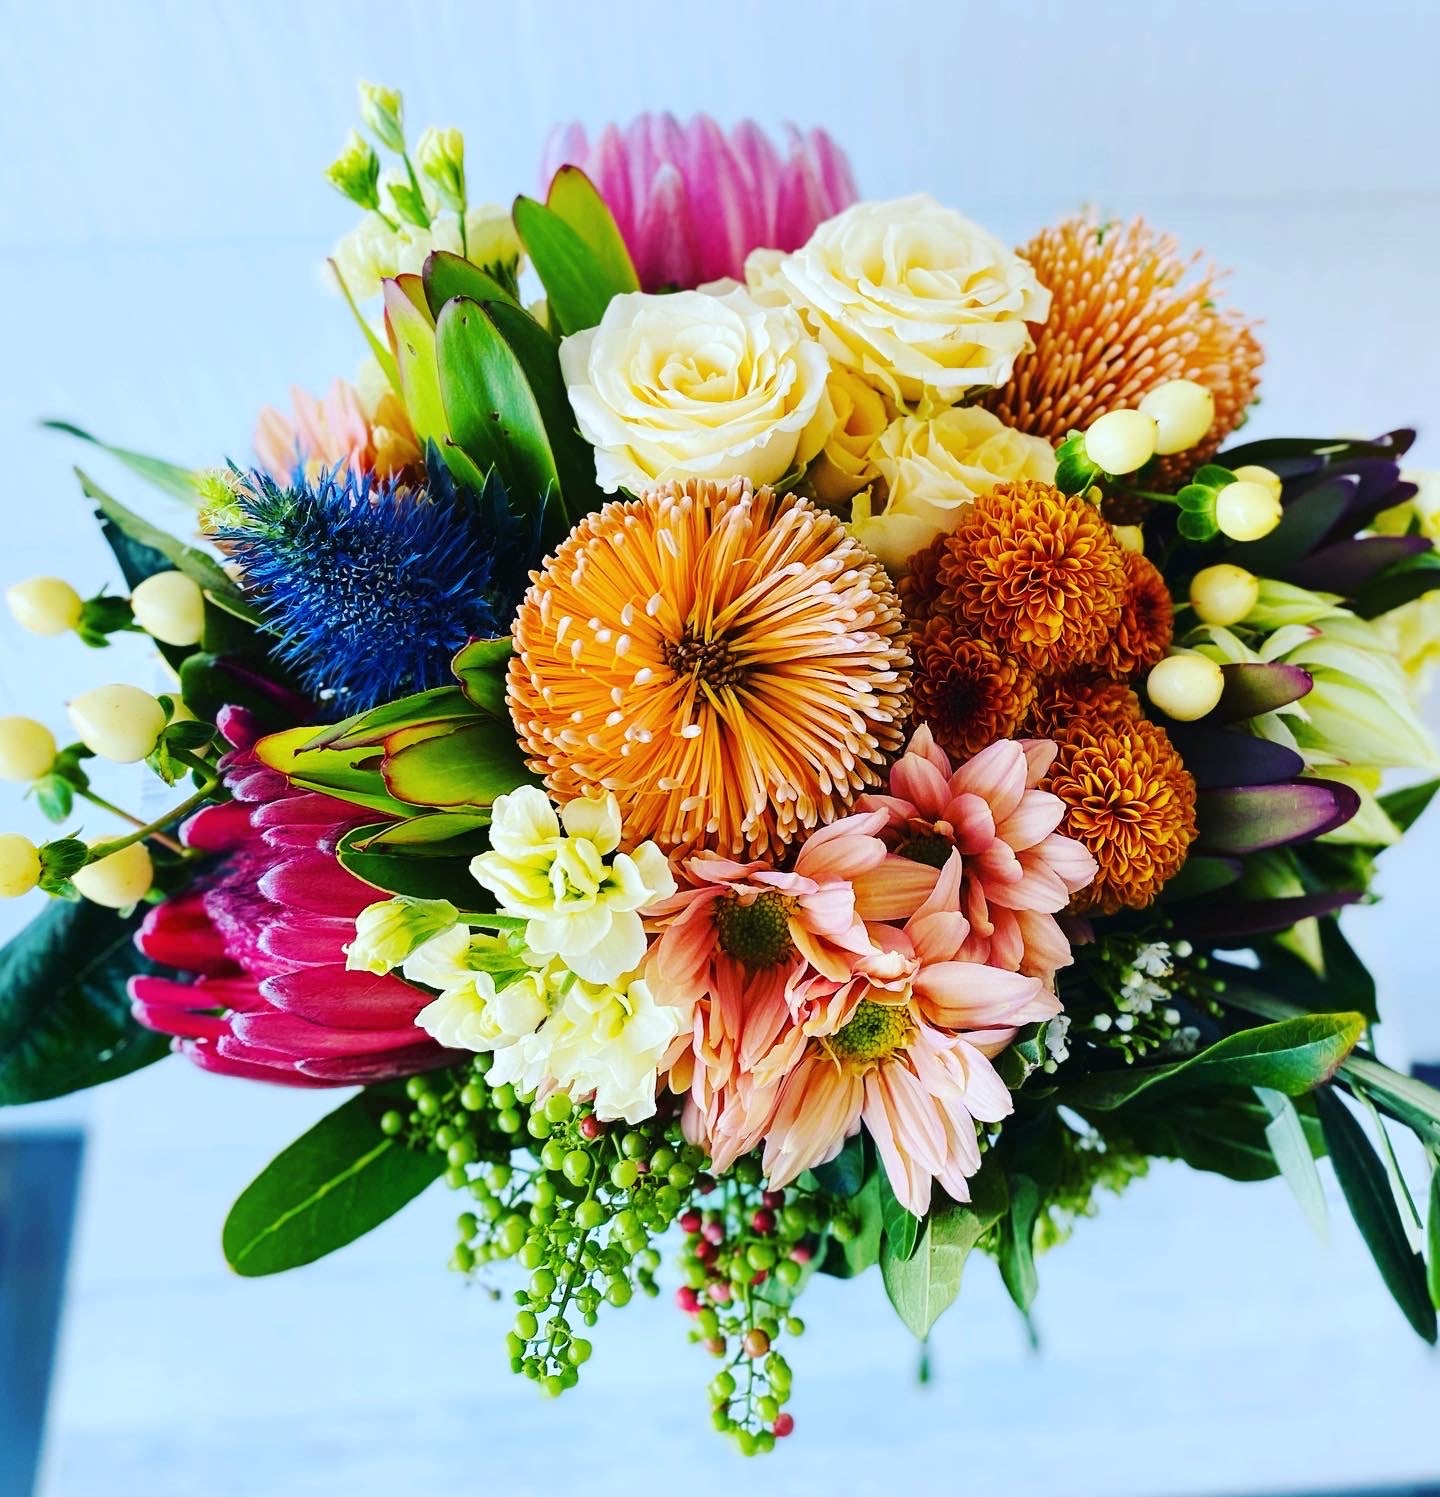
117	882
1183	413
120	723
170	607
1121	441
1254	473
845	464
44	605
1129	538
1185	687
19	865
1223	594
1247	510
27	749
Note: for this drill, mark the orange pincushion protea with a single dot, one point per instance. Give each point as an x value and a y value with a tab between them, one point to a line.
1034	572
1126	316
1130	800
728	662
966	690
1147	621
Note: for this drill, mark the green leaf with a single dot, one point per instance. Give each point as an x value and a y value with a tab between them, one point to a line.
923	1286
577	285
412	335
847	1172
207	684
447	276
1199	876
383	356
430	875
902	1229
352	776
843	1260
1398	585
490	409
333	1184
1347	979
1017	1242
439	834
573	198
200	567
1367	1191
467	766
1292	1056
1218	1130
169	478
369	729
64	1009
481	667
1288	1142
1433	1239
1405	807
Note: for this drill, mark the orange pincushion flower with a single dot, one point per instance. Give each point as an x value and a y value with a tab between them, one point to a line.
1147	621
966	690
1036	573
1123	319
1062	701
730	663
1130	800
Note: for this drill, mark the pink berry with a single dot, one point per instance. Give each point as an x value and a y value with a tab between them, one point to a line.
687	1299
591	1126
800	1253
704	1251
773	1198
720	1292
760	1275
713	1231
690	1222
704	1184
763	1221
784	1424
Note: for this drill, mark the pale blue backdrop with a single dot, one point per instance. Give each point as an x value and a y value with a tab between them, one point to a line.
162	219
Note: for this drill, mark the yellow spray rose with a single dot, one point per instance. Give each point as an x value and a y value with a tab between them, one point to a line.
932	469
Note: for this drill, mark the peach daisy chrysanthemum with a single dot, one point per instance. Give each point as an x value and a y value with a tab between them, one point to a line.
1146	625
1130	800
965	689
727	661
1035	572
1063	700
1127	314
1018	871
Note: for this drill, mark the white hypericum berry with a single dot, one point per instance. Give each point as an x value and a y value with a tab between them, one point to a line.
44	605
1246	510
19	865
1185	687
117	882
1121	441
27	749
120	723
1254	473
170	607
1223	594
1183	413
1129	538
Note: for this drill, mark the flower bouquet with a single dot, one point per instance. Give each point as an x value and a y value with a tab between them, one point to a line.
763	720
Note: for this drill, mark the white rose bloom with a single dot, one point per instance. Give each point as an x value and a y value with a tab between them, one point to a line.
699	384
919	301
933	468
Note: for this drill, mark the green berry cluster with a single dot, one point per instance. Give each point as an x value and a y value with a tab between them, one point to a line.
748	1251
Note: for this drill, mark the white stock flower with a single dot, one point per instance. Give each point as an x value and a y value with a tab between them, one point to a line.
475	1011
374	251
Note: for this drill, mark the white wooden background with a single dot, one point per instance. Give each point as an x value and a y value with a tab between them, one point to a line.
161	221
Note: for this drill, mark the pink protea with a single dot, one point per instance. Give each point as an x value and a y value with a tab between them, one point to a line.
336	431
691	201
736	939
904	1046
266	937
1019	872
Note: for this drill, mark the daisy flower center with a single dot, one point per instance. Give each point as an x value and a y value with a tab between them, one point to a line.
929	848
757	932
875	1030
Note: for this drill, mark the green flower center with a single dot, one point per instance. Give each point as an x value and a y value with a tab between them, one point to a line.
756	933
929	848
874	1031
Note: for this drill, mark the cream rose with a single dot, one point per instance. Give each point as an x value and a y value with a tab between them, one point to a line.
699	384
931	469
844	466
922	303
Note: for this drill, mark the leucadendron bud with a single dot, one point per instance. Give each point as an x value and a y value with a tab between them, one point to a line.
389	931
356	171
383	111
440	155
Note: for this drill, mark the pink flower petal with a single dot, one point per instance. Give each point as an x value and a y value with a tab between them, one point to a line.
349	1001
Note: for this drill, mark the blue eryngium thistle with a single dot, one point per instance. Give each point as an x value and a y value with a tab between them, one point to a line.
372	586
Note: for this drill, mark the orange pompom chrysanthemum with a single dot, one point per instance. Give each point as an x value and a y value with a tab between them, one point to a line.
1147	621
1126	316
1130	800
1036	573
728	662
966	690
1080	697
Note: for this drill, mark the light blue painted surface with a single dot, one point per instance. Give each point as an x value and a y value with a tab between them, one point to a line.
161	220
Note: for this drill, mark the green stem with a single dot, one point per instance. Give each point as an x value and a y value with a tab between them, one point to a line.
416	188
135	821
151	829
1150	494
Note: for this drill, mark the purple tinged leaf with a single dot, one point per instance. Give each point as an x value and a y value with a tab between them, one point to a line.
1347	566
1262	816
1218	918
1254	688
1220	759
1200	875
